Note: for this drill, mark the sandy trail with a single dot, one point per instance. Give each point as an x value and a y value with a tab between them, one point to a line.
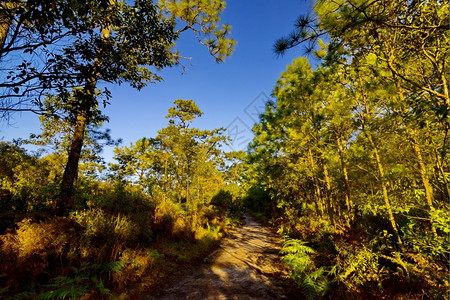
246	266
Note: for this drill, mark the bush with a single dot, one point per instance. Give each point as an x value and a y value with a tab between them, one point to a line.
136	265
104	235
358	268
31	251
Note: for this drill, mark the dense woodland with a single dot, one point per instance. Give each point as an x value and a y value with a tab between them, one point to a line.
349	161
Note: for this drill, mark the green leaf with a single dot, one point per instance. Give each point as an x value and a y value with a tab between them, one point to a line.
371	59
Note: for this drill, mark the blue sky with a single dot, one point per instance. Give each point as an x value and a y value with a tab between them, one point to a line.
230	94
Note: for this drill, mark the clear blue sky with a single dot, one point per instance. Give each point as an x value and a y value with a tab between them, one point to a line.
227	93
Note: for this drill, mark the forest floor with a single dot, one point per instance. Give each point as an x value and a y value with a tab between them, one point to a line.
245	266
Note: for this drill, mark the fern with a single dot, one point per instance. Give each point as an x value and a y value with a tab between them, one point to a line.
62	287
85	279
21	296
157	255
3	290
297	257
309	288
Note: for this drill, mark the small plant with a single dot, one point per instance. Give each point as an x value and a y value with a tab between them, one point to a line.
358	268
155	254
297	257
86	279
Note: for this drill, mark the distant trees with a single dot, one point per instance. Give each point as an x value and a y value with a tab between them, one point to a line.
182	164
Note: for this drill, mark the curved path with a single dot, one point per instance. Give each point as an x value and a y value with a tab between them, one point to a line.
246	266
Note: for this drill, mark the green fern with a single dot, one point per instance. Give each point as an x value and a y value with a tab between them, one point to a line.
3	290
85	279
62	287
21	296
297	257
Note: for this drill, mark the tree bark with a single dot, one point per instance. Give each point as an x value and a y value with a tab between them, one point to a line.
330	206
348	198
446	92
425	180
319	200
423	174
71	171
166	179
387	202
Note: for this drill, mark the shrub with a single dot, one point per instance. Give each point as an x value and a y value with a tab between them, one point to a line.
358	268
34	246
136	265
103	232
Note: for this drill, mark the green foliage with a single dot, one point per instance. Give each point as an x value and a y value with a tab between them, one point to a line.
28	184
156	254
357	268
97	224
350	157
222	199
297	257
185	111
95	42
63	287
202	17
85	279
110	27
440	220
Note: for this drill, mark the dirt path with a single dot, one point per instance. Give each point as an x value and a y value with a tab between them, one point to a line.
246	266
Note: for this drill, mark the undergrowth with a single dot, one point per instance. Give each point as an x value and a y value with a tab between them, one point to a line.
350	264
101	251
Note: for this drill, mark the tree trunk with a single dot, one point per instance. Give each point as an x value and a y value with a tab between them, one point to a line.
348	198
446	92
166	179
330	206
319	200
86	103
425	180
423	174
71	171
387	202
